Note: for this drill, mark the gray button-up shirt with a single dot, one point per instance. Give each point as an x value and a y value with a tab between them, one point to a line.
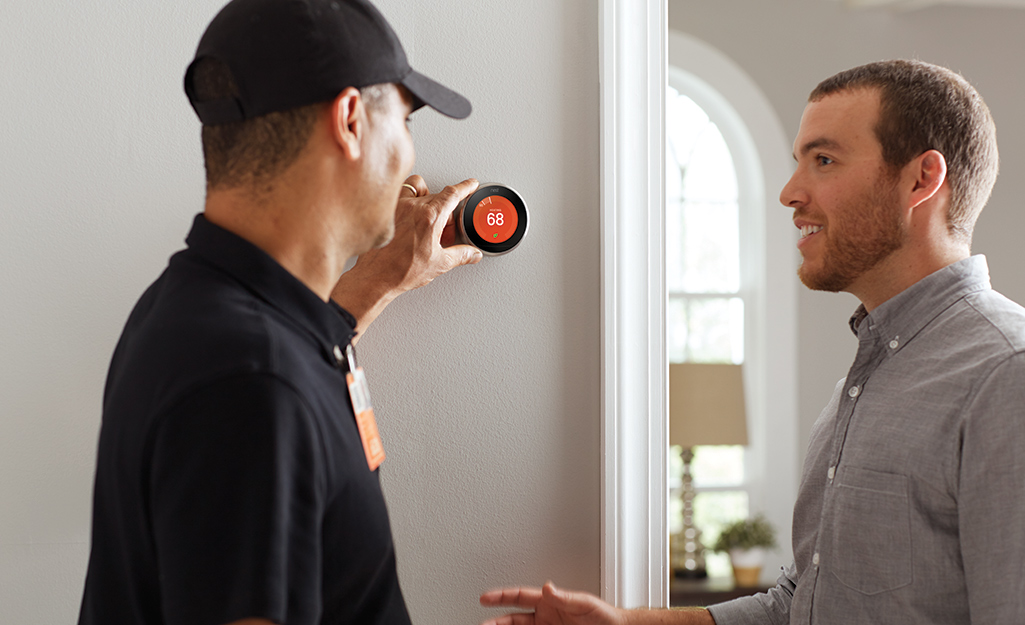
912	502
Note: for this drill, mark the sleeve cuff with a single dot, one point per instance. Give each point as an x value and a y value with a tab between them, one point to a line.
738	612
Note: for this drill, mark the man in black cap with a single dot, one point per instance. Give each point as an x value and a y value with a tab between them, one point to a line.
236	479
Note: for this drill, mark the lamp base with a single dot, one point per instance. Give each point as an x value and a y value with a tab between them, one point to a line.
686	552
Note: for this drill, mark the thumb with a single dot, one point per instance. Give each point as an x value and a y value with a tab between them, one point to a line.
570	602
463	255
558	597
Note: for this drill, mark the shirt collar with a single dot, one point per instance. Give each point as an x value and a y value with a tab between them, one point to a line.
330	324
903	316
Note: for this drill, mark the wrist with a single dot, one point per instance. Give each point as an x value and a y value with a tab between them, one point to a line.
671	616
363	298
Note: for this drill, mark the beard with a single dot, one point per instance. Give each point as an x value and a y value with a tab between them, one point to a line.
867	230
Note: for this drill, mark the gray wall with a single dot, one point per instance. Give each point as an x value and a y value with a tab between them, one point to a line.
788	46
485	384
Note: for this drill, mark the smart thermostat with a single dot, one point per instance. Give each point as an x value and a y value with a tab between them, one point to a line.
493	219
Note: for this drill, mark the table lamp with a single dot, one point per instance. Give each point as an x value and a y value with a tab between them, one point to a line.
706	407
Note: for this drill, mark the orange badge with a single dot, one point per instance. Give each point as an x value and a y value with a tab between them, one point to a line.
360	395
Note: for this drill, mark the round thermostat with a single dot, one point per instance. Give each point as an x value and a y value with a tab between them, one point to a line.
493	219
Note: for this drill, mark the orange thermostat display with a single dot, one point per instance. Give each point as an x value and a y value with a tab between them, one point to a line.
493	219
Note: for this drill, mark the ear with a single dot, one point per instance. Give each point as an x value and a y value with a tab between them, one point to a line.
348	122
929	172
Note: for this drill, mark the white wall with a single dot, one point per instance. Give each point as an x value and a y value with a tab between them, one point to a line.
486	383
788	46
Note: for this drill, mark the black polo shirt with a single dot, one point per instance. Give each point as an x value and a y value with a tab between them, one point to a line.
231	481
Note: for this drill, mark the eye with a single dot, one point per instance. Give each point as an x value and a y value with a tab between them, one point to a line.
824	160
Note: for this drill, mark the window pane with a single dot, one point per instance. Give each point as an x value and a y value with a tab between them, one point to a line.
703	258
718	465
676	330
674	231
737	329
711	235
712	332
709	248
702	213
685	123
705	329
710	175
712	511
675	513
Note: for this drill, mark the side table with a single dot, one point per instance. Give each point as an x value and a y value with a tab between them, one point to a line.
705	592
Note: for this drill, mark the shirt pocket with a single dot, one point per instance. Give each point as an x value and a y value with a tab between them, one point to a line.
872	531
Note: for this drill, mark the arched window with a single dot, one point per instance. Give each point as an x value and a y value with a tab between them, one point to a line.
705	310
722	251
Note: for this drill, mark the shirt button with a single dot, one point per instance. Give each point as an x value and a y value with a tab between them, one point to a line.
815	559
338	354
853	392
831	472
894	344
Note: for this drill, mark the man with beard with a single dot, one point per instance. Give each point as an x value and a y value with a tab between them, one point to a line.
912	502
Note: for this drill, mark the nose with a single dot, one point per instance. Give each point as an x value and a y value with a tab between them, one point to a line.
794	193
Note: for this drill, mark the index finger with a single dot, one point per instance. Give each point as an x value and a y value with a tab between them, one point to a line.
451	195
512	597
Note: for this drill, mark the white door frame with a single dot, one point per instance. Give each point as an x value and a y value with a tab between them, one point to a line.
634	517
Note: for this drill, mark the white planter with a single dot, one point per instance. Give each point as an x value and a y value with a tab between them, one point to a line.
748	558
747	566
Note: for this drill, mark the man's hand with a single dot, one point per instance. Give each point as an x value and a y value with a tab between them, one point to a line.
420	251
552	606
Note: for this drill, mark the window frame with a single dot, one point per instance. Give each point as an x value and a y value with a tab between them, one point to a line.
634	470
634	50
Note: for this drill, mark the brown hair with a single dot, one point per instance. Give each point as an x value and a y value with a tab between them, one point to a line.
253	152
926	107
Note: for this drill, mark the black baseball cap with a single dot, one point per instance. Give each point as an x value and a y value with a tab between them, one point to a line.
283	54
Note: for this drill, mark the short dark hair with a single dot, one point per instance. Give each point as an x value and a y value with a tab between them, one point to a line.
926	107
255	151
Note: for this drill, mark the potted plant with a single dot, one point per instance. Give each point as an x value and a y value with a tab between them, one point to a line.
746	541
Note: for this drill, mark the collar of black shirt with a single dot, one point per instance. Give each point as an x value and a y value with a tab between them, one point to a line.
330	324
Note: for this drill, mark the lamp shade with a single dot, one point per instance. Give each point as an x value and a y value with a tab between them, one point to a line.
706	405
